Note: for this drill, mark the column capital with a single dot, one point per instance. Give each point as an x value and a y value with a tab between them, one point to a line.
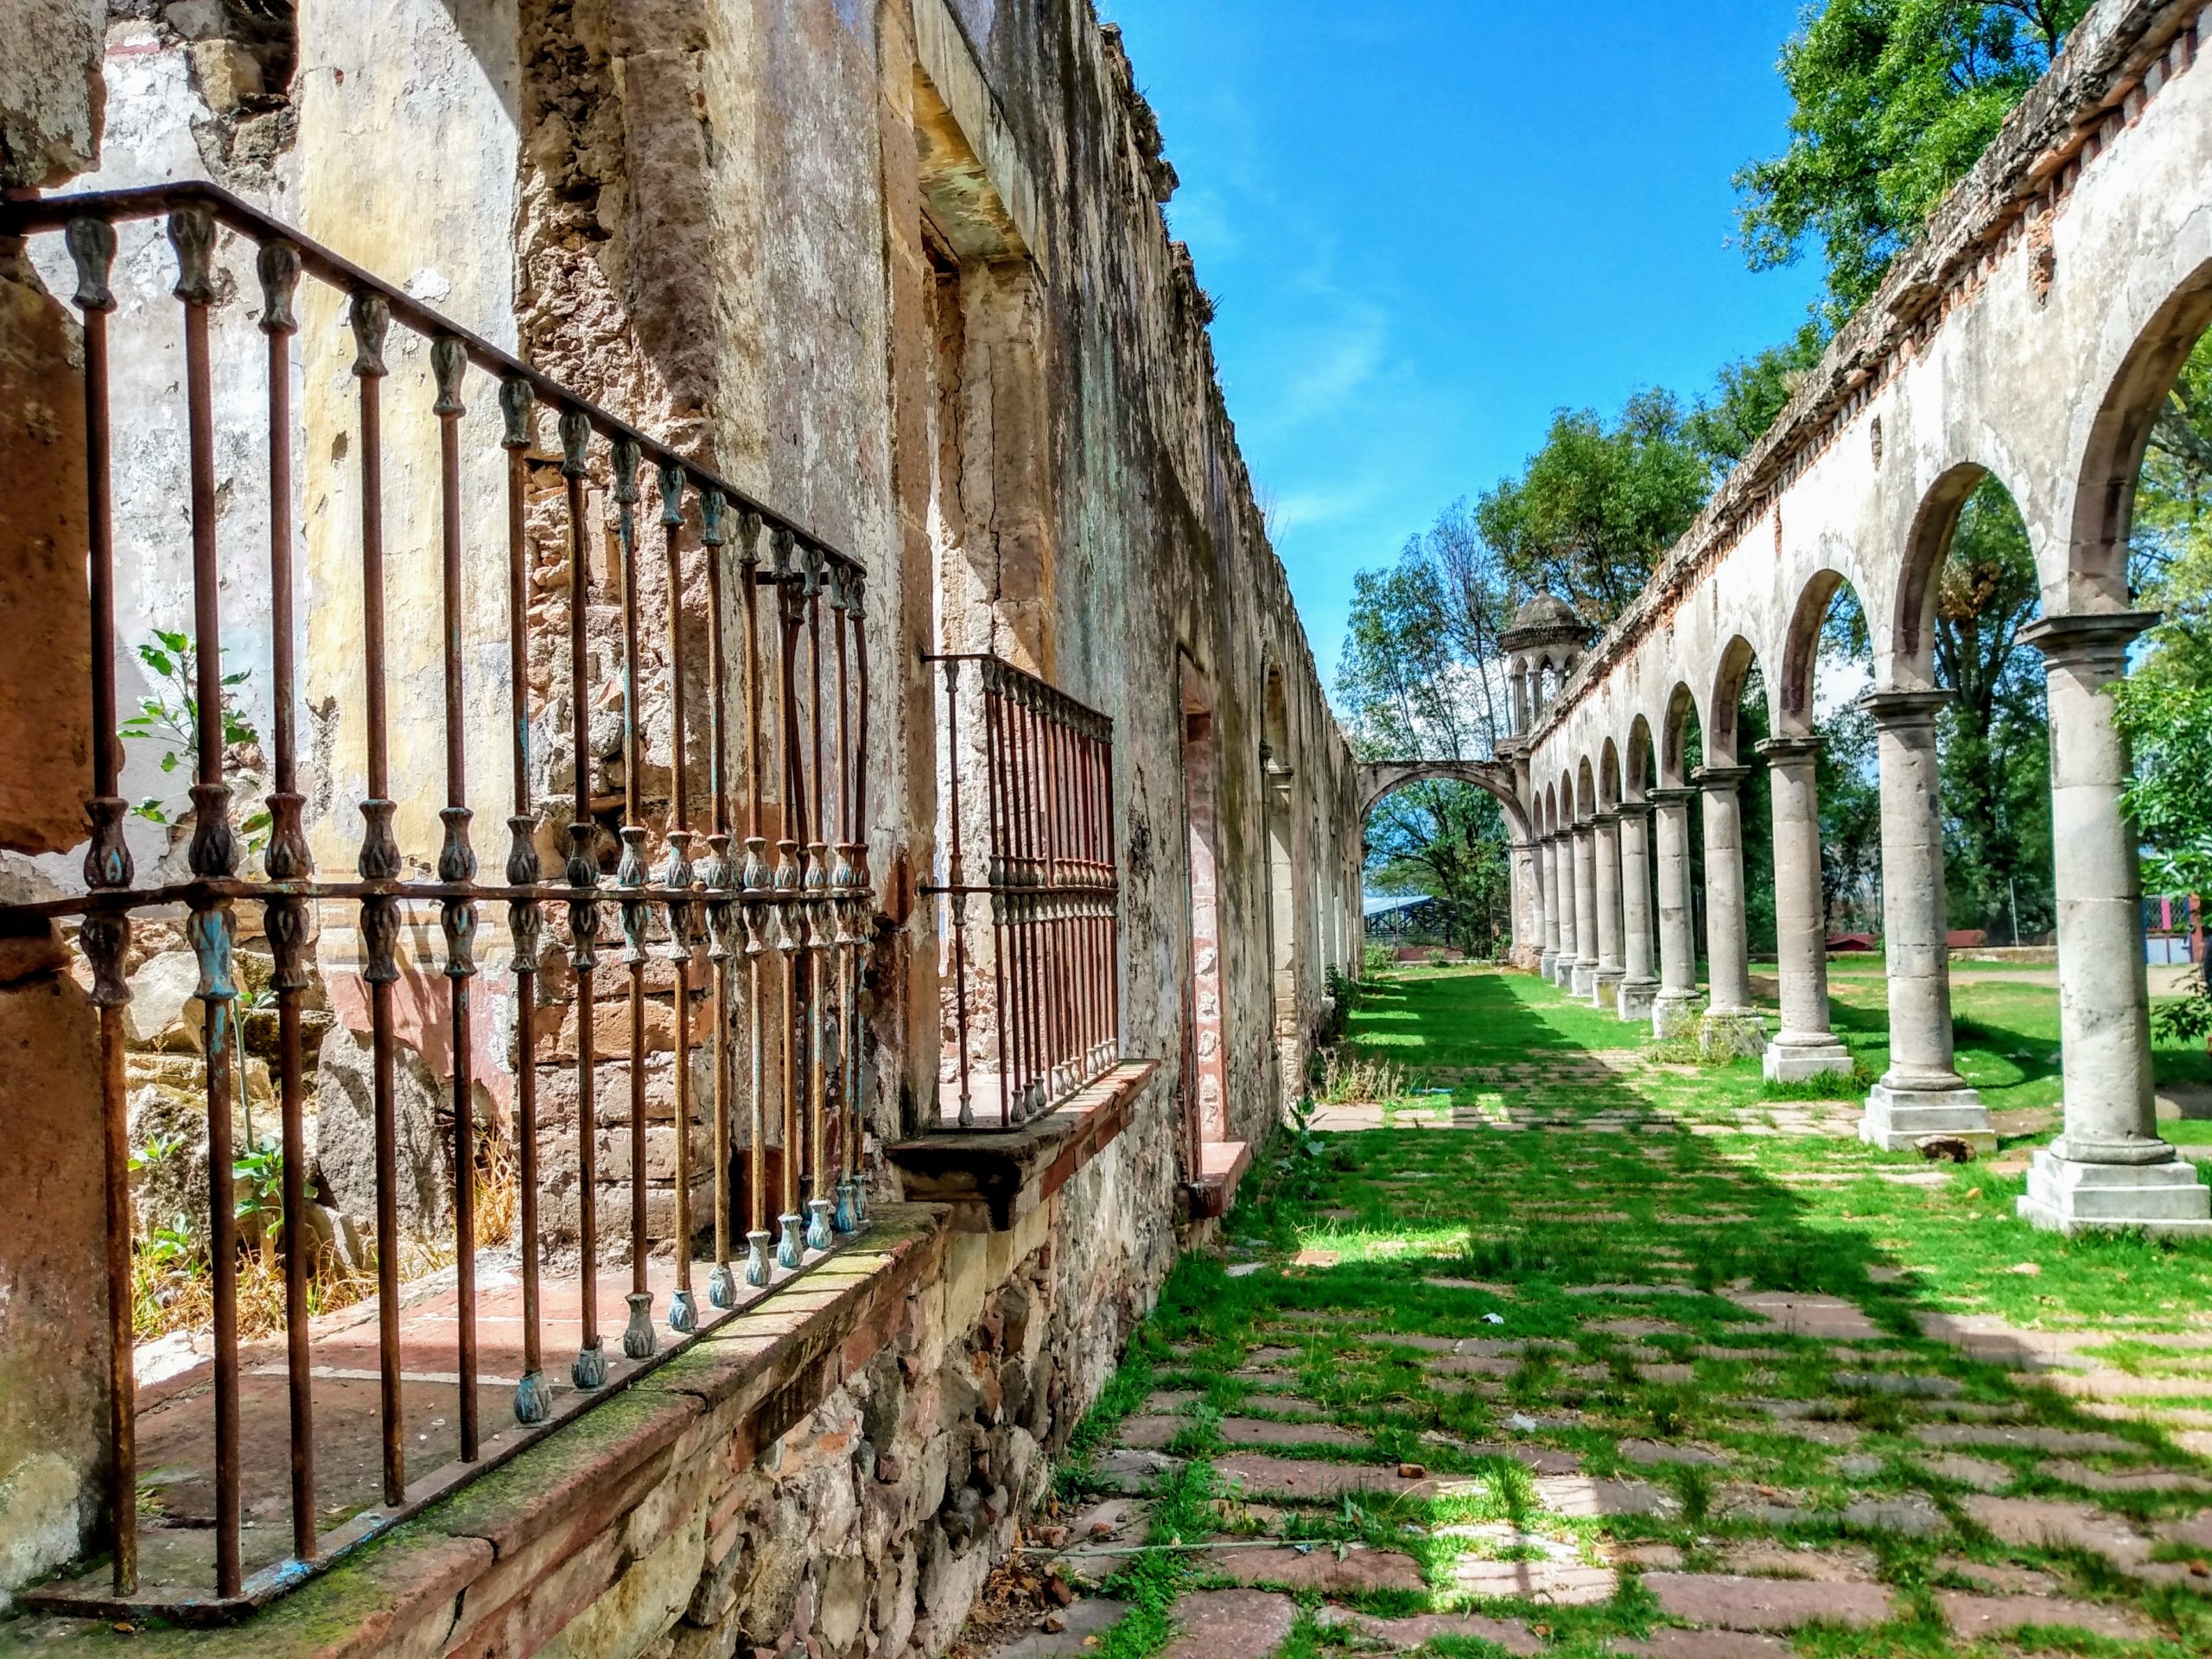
1901	710
1629	810
2096	640
1584	824
1792	751
1714	777
1606	819
1673	795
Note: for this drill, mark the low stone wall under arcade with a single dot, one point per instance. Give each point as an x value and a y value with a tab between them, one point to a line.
899	273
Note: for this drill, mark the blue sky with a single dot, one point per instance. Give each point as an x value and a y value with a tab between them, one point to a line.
1430	223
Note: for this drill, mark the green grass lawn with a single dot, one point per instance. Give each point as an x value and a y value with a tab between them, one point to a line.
1957	1236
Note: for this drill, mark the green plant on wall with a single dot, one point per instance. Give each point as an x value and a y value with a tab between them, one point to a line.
170	718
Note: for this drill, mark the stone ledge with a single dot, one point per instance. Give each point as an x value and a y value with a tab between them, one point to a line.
512	1559
1222	1166
994	1178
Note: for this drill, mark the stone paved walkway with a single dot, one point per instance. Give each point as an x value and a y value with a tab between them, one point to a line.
1565	1363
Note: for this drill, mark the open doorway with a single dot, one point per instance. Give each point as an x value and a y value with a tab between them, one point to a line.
1212	1160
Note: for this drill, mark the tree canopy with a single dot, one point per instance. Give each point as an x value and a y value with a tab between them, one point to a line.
1894	100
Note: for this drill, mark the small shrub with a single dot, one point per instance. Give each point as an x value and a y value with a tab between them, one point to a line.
1376	959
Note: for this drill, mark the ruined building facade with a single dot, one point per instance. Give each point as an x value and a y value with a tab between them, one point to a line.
889	285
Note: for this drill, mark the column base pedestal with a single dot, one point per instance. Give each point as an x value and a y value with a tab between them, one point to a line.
1582	981
1791	1059
1633	998
1546	962
1604	990
1674	1014
2164	1200
1898	1120
1729	1034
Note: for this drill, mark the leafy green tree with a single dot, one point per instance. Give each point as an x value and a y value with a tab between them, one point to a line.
1895	101
1993	743
1750	397
2168	720
2171	540
1447	839
1596	507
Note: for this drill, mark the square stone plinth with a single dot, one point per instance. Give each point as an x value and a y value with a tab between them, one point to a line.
1897	1119
1793	1062
1583	980
1634	1000
2165	1200
1604	990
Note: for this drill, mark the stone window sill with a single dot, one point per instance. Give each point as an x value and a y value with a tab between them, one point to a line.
1222	1164
994	1178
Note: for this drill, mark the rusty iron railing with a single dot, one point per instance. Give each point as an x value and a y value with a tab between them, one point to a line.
781	900
1053	891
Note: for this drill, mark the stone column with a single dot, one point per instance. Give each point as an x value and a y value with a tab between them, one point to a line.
1674	1007
1921	1093
1525	903
2108	1168
1563	964
1804	1047
1731	1025
1638	986
1546	863
1606	838
1586	911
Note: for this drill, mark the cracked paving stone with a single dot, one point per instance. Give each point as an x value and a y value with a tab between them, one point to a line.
1231	1624
1735	1602
2036	1439
1980	1473
1361	1570
1260	1431
1127	1469
1659	1452
1405	1634
1705	1644
2042	1521
1560	1583
1581	1497
1972	1616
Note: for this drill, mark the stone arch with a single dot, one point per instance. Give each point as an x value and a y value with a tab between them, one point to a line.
1791	696
1585	788
1609	776
1912	647
1383	778
1681	714
2104	499
1720	736
1638	760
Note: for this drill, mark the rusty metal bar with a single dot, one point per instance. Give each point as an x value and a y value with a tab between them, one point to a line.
756	882
717	878
675	881
286	858
791	615
191	232
957	901
589	1370
457	865
996	777
104	937
639	1341
378	862
525	920
820	929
